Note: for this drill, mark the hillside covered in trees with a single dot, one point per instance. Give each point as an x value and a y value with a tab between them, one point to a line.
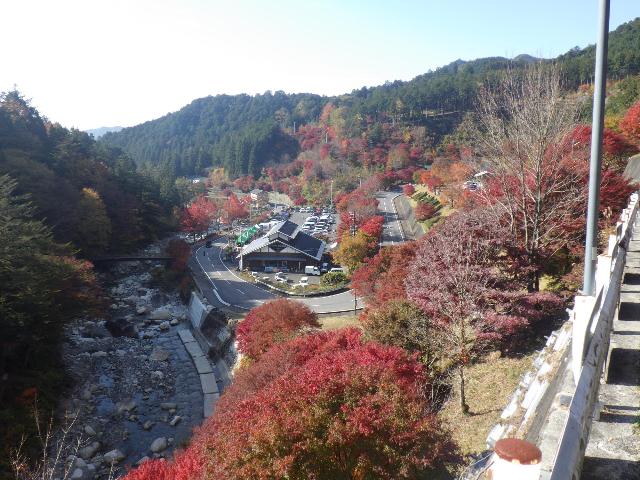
64	198
244	134
89	194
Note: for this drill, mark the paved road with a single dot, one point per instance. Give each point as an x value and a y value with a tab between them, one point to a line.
230	289
392	232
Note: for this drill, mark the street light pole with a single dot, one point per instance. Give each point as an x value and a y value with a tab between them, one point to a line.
331	195
593	205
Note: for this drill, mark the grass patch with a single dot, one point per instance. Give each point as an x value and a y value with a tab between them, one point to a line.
338	321
489	386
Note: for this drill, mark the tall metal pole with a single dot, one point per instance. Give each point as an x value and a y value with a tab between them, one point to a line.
331	195
593	206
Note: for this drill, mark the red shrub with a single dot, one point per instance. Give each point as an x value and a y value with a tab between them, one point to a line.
408	189
630	124
424	211
273	322
352	411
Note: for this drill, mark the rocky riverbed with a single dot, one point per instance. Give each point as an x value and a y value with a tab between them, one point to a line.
136	392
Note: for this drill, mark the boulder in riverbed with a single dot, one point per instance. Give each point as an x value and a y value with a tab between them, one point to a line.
120	327
158	445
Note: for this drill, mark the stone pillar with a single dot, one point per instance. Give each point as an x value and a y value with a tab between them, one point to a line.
581	314
515	459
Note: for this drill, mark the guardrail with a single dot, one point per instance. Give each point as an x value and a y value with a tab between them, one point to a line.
592	321
584	341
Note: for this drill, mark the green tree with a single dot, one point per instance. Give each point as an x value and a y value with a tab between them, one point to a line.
94	225
41	286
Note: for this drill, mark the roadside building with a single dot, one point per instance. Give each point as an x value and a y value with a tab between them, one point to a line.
259	197
284	246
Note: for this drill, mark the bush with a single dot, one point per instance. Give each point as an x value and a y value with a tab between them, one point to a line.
273	322
333	279
324	406
408	189
425	211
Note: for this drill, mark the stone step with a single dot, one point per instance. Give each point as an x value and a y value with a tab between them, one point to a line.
625	326
628	340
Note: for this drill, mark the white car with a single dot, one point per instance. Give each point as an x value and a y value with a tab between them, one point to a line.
304	281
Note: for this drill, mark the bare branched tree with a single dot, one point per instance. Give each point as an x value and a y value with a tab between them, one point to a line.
56	446
520	126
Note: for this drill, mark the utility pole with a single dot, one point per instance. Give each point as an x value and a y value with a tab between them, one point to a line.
331	195
593	205
352	215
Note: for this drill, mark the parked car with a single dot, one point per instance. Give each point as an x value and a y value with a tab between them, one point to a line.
311	270
304	281
255	274
337	269
269	269
324	268
280	275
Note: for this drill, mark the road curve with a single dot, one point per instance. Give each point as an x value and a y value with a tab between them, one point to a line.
229	289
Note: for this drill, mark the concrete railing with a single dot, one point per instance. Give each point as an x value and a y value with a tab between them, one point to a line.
592	322
584	339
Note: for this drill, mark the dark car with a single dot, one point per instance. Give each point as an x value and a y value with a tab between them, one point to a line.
209	244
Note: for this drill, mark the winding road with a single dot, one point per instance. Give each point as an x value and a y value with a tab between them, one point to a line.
230	290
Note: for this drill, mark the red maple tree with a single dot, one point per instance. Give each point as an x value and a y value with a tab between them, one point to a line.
373	227
327	405
355	410
379	279
630	123
234	209
408	189
197	217
457	280
273	322
425	211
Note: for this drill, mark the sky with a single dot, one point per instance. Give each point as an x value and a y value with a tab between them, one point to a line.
90	63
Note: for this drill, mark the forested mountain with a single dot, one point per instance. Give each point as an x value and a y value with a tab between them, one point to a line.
186	140
88	193
98	132
245	134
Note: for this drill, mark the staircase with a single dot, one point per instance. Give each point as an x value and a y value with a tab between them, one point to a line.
613	451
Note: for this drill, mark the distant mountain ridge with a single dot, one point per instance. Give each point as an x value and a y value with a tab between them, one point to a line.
236	131
99	132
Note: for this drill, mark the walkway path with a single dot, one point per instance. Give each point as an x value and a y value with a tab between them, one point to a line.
613	451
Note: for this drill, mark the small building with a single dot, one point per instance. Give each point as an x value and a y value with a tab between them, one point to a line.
259	196
284	246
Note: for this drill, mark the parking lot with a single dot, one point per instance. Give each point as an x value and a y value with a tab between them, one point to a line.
300	218
292	278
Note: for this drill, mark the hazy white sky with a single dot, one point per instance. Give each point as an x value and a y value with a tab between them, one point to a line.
89	63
